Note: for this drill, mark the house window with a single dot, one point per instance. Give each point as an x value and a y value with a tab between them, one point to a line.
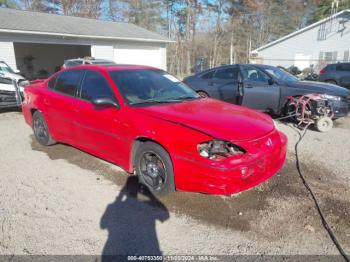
346	56
320	56
330	56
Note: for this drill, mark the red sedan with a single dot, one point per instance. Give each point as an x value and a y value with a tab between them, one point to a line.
151	124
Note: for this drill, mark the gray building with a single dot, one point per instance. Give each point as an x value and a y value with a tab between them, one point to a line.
326	41
36	43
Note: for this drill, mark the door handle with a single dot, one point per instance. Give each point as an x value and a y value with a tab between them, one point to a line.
249	86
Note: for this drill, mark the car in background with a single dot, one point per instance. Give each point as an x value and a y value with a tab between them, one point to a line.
264	87
151	124
10	95
337	74
7	72
86	61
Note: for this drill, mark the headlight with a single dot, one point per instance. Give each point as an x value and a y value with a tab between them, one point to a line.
218	149
330	97
23	83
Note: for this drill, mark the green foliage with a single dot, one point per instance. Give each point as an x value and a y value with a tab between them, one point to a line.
323	9
8	3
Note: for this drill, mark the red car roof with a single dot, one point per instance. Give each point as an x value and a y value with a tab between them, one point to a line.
113	67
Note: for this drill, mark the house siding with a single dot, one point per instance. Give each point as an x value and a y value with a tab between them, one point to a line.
8	54
312	46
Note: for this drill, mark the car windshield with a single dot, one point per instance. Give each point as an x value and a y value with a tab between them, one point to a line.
102	62
148	86
280	74
5	68
69	63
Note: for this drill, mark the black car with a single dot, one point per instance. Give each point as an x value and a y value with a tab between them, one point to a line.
263	87
338	74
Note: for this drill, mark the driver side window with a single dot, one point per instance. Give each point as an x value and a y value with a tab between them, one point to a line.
251	73
95	86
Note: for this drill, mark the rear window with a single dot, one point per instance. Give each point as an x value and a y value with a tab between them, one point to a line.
73	63
329	68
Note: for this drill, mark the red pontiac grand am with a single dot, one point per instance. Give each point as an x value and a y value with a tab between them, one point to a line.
151	124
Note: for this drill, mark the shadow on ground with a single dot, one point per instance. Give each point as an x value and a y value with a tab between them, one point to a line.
10	109
131	222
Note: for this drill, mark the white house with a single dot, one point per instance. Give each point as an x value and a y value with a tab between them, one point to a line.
33	41
326	41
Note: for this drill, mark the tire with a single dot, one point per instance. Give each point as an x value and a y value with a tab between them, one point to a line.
41	131
331	82
202	94
154	169
324	124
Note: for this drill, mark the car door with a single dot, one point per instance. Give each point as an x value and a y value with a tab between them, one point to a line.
58	103
343	74
97	129
259	90
224	84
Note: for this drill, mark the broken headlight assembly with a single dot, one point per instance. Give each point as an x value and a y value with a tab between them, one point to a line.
219	149
330	97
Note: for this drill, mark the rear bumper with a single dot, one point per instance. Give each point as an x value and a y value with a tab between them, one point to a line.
230	178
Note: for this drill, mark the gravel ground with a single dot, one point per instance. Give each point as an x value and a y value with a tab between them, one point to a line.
59	200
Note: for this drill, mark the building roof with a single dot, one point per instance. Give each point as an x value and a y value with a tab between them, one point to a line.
301	30
36	23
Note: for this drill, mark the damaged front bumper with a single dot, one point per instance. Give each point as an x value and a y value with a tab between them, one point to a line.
9	99
264	158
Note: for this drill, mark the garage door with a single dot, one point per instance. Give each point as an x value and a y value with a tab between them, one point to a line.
102	52
139	56
7	54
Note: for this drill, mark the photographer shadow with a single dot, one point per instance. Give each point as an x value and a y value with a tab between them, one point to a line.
131	222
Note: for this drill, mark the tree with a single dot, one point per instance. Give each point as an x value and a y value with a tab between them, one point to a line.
323	9
8	3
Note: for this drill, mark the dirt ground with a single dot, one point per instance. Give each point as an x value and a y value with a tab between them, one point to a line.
59	200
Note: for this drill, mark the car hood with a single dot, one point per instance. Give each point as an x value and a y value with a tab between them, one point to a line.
12	76
214	118
318	87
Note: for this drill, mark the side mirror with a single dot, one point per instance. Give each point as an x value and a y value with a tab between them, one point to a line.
17	72
105	102
270	81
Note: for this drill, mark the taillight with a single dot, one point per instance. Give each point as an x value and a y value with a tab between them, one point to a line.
322	72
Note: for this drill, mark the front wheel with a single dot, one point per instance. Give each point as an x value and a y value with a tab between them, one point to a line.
155	169
324	124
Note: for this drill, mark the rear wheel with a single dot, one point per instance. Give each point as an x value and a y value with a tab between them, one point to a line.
41	130
202	94
154	168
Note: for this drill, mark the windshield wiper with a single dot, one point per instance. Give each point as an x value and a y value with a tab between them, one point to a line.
181	98
159	101
153	101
